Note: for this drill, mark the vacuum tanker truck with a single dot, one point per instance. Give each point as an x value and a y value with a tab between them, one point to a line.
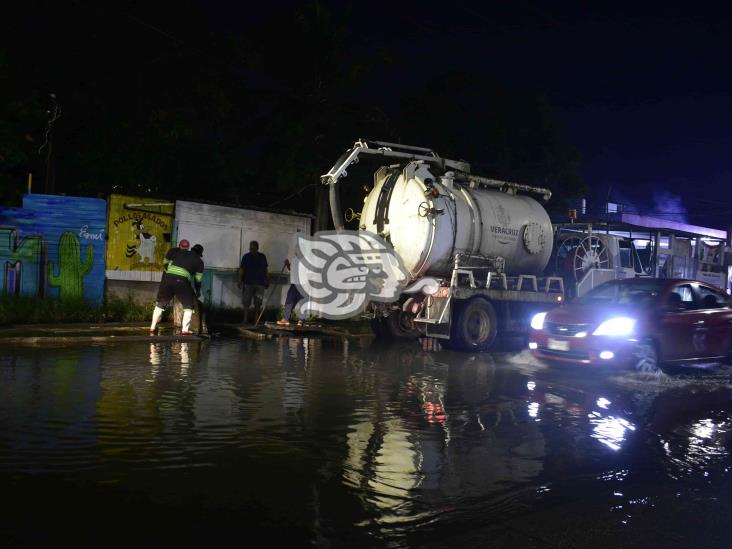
485	241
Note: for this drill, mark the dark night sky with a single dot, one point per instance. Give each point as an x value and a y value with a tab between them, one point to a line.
645	94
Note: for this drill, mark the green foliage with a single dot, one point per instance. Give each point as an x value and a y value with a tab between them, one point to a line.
33	310
118	309
281	314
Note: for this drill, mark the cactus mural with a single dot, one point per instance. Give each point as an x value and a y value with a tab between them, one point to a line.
66	231
71	271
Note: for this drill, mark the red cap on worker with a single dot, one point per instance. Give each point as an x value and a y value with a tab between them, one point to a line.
184	244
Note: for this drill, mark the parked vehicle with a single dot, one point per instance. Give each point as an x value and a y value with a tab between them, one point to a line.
486	241
643	323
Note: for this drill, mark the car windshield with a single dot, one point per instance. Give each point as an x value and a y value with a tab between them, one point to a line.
617	293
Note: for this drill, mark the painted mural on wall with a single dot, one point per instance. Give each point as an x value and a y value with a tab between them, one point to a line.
21	260
69	275
139	235
53	246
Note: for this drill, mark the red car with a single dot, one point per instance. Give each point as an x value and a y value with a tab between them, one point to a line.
638	322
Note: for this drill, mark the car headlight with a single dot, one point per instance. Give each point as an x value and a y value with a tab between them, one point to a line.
537	323
618	326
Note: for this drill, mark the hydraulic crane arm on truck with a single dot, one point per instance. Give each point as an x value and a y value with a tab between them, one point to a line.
384	149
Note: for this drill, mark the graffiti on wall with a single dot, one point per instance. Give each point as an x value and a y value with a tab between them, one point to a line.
139	234
22	262
53	246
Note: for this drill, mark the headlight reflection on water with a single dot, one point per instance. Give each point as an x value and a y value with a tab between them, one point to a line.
610	430
704	428
698	445
533	409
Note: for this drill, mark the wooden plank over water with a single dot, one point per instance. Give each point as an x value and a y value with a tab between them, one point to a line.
36	341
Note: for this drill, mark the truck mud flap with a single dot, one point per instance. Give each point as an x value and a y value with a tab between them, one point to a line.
439	331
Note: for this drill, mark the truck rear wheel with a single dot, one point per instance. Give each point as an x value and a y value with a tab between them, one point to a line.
397	325
400	325
474	326
377	326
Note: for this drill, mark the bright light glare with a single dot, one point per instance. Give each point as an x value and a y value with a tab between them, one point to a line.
580	334
533	345
607	355
618	326
703	428
610	430
537	323
533	409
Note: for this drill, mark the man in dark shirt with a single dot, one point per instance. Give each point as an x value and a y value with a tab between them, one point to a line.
183	272
253	276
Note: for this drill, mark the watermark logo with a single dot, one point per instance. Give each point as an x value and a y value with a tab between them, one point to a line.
340	272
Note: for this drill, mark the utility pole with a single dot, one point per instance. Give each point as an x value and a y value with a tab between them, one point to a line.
54	113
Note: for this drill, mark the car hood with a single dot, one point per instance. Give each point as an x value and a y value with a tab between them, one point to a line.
589	314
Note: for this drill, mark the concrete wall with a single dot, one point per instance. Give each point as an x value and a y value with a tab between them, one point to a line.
225	233
142	292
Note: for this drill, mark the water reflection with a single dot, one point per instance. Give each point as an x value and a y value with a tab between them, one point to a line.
453	442
47	408
351	441
695	431
610	430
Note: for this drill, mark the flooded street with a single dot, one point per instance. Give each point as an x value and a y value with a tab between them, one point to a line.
335	443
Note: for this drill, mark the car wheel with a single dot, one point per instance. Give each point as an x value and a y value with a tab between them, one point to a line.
645	358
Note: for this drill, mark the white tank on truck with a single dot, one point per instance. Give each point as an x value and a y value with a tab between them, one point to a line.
429	217
487	241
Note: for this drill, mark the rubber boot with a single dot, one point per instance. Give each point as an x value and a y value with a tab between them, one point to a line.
157	313
186	324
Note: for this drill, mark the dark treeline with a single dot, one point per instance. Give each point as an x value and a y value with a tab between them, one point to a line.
181	103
